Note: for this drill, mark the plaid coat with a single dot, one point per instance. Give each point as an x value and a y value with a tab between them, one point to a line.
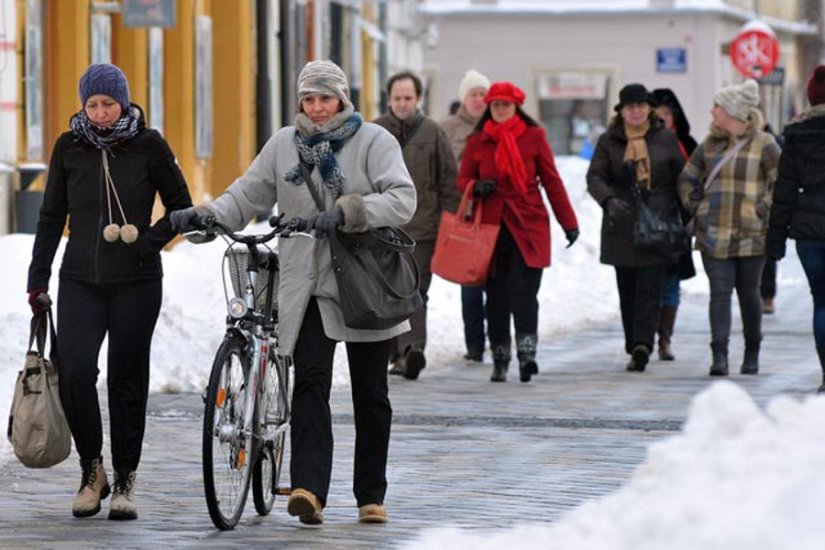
731	213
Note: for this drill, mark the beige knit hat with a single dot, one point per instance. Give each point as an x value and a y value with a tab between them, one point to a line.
323	77
738	99
473	79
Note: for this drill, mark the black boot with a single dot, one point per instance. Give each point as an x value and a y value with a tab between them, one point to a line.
526	353
501	361
639	358
666	321
720	358
821	353
750	364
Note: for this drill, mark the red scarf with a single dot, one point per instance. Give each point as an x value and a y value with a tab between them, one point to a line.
508	158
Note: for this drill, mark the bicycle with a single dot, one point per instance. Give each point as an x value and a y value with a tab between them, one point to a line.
247	400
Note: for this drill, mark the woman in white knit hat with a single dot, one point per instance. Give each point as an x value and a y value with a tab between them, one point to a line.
359	173
728	185
458	127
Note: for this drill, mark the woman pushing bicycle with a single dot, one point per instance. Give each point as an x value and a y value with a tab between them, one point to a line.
359	173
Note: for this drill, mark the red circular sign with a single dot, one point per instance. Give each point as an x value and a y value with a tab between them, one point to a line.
755	50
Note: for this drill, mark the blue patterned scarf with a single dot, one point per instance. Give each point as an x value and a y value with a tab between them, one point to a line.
317	147
123	129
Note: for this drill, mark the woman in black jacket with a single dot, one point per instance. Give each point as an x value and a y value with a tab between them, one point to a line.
635	159
103	176
798	209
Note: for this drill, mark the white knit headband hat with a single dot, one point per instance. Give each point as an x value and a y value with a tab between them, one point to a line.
473	79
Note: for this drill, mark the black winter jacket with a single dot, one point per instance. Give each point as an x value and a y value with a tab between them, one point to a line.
609	177
140	168
798	209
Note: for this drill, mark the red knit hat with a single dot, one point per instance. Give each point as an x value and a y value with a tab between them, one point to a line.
816	86
505	91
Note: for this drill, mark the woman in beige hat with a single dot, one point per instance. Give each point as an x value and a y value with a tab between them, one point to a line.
727	184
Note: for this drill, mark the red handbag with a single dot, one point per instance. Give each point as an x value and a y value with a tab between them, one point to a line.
465	246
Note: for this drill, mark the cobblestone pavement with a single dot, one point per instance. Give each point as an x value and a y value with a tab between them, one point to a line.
464	451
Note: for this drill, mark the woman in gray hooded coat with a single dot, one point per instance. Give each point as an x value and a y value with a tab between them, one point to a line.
360	175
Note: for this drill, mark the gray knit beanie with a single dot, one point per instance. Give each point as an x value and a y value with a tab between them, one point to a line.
323	77
738	99
106	79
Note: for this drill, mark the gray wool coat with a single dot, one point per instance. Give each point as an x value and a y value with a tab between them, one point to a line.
378	192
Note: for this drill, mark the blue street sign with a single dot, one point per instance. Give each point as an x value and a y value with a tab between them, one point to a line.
671	60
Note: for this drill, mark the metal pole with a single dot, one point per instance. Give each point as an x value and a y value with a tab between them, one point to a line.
355	52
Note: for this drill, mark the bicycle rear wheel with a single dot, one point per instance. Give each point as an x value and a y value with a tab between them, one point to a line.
274	427
227	449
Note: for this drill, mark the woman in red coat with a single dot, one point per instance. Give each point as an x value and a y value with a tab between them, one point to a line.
506	160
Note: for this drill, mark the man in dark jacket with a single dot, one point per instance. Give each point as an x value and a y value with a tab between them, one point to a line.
431	164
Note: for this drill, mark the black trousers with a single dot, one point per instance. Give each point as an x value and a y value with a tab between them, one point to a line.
512	290
640	294
744	275
311	460
86	313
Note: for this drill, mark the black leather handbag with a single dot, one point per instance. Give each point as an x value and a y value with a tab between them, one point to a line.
659	232
376	272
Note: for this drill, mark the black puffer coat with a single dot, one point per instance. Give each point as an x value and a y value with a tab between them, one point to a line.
140	169
609	176
798	209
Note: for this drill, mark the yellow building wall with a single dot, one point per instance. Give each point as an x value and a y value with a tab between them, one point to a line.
233	73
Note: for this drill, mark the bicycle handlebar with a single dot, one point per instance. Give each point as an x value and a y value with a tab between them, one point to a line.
210	225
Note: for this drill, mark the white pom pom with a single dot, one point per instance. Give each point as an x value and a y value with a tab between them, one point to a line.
128	233
111	232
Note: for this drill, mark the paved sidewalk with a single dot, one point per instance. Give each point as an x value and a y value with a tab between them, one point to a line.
463	452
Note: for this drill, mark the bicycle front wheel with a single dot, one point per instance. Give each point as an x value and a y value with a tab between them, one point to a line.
227	445
274	427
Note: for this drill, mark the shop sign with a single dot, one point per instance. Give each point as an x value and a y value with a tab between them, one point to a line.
755	50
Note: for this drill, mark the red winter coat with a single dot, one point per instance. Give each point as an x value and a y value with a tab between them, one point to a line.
525	216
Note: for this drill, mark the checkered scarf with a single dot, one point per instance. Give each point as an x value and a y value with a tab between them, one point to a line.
124	129
318	146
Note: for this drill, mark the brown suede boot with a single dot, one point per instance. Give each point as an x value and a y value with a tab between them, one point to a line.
666	322
94	487
372	513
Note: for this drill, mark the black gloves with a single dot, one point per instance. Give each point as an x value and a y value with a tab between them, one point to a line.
324	224
616	208
182	220
571	237
482	188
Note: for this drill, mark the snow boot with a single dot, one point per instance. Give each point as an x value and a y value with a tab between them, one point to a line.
719	367
666	321
750	364
123	504
526	353
94	487
501	361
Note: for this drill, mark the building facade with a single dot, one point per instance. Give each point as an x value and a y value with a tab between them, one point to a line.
572	58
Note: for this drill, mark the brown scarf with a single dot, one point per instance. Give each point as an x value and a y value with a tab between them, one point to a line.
637	152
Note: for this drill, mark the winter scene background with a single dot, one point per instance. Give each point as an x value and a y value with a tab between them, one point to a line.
736	476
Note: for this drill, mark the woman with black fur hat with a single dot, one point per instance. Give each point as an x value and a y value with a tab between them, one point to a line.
670	111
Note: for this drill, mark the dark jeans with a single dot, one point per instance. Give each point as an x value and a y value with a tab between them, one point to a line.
743	274
311	461
767	288
640	294
472	311
417	335
512	290
85	314
812	255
